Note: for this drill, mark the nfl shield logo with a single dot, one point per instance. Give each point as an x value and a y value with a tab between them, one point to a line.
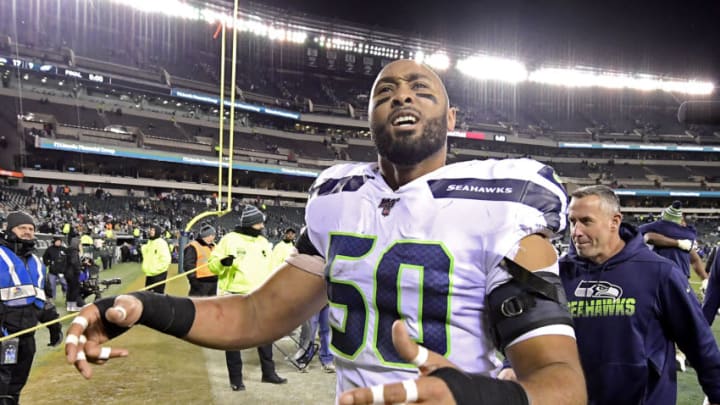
386	204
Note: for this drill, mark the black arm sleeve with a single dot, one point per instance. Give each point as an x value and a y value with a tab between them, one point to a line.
477	389
305	246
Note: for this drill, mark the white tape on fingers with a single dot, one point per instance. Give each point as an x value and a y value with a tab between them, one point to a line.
122	311
82	321
71	340
104	353
81	356
378	394
411	391
421	357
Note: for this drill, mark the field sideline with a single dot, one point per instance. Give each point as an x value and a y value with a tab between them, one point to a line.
163	369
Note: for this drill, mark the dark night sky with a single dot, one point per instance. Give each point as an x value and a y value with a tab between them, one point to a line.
673	37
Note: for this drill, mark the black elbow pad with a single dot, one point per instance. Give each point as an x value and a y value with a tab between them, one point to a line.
514	308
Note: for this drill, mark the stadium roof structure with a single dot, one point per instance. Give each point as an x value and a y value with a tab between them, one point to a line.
287	26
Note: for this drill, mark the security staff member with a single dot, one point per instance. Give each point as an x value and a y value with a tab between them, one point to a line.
88	244
86	240
202	282
155	259
242	262
22	304
282	250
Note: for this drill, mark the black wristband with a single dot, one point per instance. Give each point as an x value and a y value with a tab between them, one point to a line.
111	330
481	390
165	313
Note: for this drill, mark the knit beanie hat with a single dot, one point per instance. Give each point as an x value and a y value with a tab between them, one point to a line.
673	213
250	216
18	218
206	231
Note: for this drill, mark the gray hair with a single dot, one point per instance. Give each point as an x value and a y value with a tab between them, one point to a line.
607	196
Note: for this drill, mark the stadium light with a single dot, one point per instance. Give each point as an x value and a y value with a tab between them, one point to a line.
438	60
173	8
493	68
614	80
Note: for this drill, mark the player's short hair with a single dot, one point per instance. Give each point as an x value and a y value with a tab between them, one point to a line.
607	196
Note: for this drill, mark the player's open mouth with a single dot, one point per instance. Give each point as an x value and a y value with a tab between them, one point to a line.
405	119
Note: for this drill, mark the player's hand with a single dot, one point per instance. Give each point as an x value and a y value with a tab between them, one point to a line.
424	390
227	260
91	328
685	244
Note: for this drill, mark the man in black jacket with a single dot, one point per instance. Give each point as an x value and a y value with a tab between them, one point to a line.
55	259
72	274
202	281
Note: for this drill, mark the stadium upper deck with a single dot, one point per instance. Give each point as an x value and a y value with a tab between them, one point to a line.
162	74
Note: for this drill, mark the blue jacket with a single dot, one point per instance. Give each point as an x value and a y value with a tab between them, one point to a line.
628	313
676	231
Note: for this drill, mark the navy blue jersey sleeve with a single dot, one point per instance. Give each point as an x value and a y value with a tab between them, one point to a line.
689	329
645	228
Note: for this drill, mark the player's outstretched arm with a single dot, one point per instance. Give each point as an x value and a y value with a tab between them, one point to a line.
286	299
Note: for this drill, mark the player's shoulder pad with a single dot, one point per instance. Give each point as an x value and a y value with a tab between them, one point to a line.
524	169
524	181
342	177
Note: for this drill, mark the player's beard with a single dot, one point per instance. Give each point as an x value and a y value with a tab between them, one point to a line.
407	150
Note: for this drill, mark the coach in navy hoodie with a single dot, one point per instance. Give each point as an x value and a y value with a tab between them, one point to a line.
630	306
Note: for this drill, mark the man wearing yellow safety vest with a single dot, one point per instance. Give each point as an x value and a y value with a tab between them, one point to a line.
86	240
197	253
242	262
88	244
282	250
155	259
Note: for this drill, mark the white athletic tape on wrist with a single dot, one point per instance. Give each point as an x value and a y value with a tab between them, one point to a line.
411	391
83	339
82	321
378	394
104	353
121	310
81	356
421	357
71	340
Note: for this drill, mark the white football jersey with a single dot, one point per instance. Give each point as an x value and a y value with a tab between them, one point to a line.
427	253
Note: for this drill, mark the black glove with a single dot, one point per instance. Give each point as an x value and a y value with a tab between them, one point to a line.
228	260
